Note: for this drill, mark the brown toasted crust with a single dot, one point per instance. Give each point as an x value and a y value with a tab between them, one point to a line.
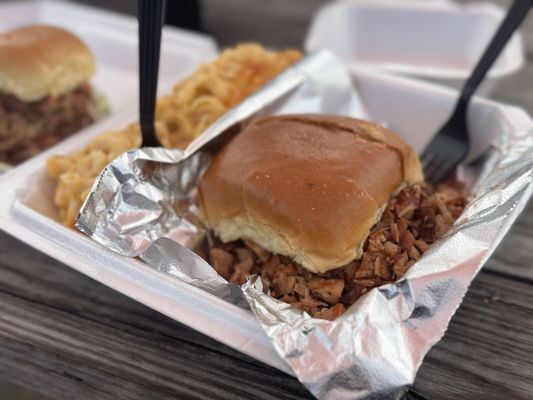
306	186
41	60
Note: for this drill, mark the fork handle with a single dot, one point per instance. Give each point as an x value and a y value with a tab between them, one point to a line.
151	17
516	14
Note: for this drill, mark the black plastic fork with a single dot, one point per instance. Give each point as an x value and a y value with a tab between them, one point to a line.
450	145
151	15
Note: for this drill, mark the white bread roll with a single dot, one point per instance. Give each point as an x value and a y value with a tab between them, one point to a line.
37	61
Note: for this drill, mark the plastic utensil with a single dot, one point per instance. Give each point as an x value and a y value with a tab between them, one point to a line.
450	145
151	15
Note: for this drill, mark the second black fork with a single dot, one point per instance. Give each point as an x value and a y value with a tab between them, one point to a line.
450	145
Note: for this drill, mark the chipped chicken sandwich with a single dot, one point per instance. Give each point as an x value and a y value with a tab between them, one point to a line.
44	90
322	207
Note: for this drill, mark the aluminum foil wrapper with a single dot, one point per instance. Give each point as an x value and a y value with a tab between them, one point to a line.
142	206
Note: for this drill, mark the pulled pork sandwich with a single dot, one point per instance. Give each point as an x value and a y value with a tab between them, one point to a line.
322	207
44	93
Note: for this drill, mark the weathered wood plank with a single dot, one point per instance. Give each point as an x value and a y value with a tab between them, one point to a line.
486	352
514	256
275	23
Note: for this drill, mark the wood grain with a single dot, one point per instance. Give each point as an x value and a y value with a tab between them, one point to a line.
275	23
486	352
514	257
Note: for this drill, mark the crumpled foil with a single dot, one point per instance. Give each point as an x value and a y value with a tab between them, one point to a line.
142	206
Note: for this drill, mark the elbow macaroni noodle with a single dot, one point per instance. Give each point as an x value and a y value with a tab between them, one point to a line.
194	104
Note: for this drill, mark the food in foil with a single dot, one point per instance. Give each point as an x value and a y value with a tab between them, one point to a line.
305	202
413	220
44	91
194	104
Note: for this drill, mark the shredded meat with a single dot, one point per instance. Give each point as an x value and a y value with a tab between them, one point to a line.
411	222
26	128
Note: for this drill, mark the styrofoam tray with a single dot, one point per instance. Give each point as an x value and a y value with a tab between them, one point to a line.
438	40
112	37
412	108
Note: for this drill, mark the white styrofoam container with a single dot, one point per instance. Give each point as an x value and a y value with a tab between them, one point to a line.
436	40
414	109
112	37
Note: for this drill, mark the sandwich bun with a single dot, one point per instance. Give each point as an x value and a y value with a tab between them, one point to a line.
37	61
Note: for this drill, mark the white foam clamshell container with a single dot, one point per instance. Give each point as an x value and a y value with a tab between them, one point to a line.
414	109
112	37
436	40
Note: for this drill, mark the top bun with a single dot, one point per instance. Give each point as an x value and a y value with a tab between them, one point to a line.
306	186
37	61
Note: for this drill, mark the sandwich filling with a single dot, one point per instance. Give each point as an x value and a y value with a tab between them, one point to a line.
26	128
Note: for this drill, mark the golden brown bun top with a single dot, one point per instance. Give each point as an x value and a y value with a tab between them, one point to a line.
306	186
41	60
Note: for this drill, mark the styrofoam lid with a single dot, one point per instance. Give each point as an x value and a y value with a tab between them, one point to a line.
436	39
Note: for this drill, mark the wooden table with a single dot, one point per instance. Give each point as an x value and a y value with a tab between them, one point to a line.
69	337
